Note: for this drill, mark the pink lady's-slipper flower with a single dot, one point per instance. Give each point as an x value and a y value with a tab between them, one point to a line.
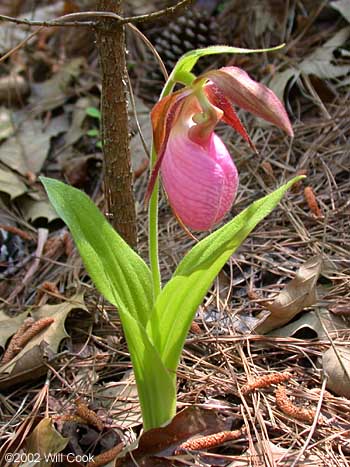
197	171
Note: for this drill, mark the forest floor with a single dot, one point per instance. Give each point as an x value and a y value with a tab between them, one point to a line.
269	349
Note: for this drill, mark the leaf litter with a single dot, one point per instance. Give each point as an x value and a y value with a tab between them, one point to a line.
46	441
31	358
300	293
90	358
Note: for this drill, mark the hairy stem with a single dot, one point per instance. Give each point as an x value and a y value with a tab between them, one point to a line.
153	213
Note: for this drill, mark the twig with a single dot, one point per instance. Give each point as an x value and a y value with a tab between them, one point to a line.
138	126
88	19
169	11
42	237
152	49
91	18
45	290
12	269
20	45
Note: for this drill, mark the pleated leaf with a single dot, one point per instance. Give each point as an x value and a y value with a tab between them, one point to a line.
125	281
116	269
176	305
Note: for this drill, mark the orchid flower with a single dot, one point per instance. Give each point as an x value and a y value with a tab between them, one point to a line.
201	182
197	170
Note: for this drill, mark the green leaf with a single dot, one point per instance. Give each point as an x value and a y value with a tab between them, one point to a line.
185	64
125	280
93	112
93	132
156	385
177	303
116	269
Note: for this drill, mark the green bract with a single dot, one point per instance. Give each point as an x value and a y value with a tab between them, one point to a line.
182	69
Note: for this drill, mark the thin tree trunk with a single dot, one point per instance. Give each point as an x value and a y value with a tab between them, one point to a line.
115	131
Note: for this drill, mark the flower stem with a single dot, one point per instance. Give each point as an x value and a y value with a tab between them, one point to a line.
153	232
153	213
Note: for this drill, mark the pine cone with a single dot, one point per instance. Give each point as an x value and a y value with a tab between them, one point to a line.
196	28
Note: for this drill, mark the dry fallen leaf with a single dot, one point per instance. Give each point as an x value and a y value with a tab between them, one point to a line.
11	34
321	62
312	322
78	116
343	6
280	80
154	445
122	398
53	92
9	325
6	123
45	441
25	153
35	205
29	363
298	294
336	365
11	183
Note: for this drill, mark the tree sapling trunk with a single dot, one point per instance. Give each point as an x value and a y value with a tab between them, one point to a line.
115	130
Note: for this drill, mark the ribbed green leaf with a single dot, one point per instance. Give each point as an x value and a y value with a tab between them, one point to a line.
115	268
125	280
176	305
156	386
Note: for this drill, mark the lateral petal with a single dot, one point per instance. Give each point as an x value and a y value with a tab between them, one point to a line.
217	97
